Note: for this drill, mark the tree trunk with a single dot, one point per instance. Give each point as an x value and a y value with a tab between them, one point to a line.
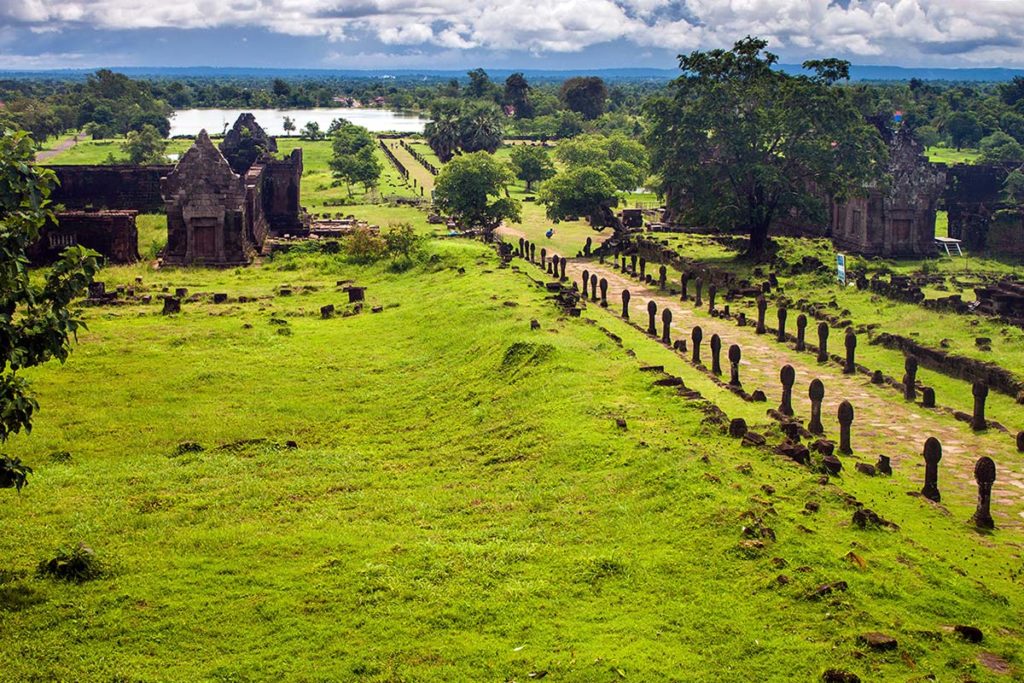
758	246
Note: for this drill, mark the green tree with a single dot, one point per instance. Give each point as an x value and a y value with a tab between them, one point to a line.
737	143
481	128
624	160
964	129
288	125
581	191
480	85
145	146
311	131
585	95
531	164
517	94
473	189
354	158
36	324
443	131
1000	147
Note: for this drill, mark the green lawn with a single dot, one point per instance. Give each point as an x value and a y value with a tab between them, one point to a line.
948	155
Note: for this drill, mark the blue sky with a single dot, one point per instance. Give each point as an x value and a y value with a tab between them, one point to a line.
552	34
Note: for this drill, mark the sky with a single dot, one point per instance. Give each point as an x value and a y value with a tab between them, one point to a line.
521	34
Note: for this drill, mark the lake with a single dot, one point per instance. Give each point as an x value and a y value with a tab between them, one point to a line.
216	121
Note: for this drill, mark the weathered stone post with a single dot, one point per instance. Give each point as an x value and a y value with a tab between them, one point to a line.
845	420
662	277
587	247
734	366
851	348
762	306
553	265
561	267
683	279
928	397
712	292
522	247
1020	442
625	304
543	257
593	287
822	342
624	268
533	252
171	305
910	378
816	392
801	331
652	309
782	313
643	267
696	335
980	391
932	456
604	292
698	298
586	282
716	352
985	475
787	376
632	264
666	325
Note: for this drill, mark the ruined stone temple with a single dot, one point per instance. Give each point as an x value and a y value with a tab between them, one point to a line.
109	232
223	203
897	219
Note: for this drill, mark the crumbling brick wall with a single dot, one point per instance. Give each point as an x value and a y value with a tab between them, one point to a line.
111	233
120	187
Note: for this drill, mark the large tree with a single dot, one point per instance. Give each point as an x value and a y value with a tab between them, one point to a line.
585	95
36	324
145	146
472	189
582	191
531	164
517	95
738	143
354	158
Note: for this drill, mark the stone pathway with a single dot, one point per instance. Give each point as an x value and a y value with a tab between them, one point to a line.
424	178
883	424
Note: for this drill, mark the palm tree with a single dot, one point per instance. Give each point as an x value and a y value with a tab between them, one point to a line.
481	129
443	135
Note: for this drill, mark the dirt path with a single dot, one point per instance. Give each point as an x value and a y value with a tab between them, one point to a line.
883	424
62	147
424	178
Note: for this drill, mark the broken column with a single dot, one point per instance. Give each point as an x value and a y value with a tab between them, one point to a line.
662	277
816	392
845	420
980	391
712	291
910	378
932	456
699	286
682	283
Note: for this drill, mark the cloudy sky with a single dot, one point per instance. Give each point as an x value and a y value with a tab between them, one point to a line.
439	34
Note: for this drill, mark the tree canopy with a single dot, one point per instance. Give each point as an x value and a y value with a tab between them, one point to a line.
737	143
36	324
531	164
581	191
585	95
463	127
145	146
472	189
354	155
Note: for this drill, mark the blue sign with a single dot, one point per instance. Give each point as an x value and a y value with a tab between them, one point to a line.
841	268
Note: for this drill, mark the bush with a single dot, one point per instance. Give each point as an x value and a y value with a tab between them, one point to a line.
78	564
363	246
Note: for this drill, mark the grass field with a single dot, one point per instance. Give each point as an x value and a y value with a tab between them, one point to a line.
470	496
948	155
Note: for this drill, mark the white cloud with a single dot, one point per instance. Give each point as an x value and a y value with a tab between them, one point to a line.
914	31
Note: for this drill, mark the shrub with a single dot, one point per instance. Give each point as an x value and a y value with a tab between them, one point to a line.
77	564
363	246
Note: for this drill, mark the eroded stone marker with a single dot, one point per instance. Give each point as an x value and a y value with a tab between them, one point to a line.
712	291
816	392
533	252
822	342
643	267
586	282
985	475
928	397
696	336
603	284
682	283
850	366
910	378
543	257
662	277
801	331
716	352
932	456
734	365
632	263
762	306
666	326
699	285
652	310
625	304
782	313
593	287
845	415
788	376
171	305
561	268
980	391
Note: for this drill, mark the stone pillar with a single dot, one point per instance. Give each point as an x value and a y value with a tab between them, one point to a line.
682	282
533	252
171	305
801	331
604	292
666	325
985	475
782	323
980	391
851	348
643	267
928	397
593	287
1020	442
561	268
716	352
762	306
932	456
845	420
822	342
625	304
699	285
632	264
696	335
522	247
662	277
586	282
734	366
787	376
910	378
587	247
652	310
543	257
816	392
712	291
